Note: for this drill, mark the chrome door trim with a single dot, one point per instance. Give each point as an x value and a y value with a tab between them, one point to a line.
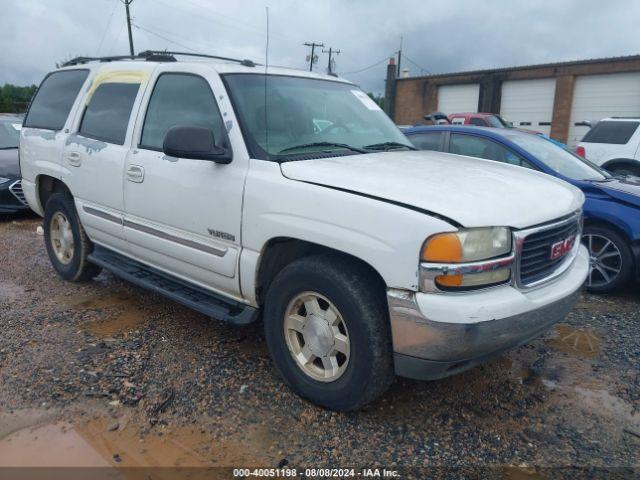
218	252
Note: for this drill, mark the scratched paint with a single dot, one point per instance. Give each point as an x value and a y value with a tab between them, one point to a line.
90	145
37	132
117	76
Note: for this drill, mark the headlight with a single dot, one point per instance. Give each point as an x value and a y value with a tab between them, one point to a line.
466	259
4	180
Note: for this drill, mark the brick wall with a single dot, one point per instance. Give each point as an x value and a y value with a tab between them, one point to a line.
417	96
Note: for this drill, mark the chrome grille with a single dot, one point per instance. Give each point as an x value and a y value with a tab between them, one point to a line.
536	262
16	189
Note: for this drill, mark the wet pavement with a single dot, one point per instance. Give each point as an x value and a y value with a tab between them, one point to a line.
107	374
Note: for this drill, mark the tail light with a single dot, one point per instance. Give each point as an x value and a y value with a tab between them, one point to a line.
581	151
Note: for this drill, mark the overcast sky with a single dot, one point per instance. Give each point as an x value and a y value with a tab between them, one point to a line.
438	36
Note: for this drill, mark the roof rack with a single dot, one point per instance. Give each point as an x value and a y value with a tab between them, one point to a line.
154	56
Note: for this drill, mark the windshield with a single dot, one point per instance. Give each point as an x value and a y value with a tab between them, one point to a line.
559	159
9	134
304	116
497	122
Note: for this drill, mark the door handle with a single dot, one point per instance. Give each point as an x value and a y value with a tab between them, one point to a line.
135	173
74	159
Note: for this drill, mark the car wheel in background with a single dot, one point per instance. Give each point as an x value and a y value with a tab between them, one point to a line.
610	259
327	328
66	241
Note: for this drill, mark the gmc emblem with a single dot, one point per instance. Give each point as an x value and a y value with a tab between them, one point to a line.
562	247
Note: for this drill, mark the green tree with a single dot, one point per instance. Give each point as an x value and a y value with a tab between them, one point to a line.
379	99
15	99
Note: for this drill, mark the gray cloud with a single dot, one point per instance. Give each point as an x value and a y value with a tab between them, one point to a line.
437	36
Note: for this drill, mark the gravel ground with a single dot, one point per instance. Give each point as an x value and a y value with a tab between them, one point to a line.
109	360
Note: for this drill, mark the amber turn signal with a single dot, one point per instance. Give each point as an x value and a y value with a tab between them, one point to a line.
445	247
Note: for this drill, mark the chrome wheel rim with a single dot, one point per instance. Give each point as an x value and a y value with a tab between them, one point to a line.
61	237
317	337
605	260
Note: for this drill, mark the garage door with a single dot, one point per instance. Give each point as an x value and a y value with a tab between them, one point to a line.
458	98
528	104
599	96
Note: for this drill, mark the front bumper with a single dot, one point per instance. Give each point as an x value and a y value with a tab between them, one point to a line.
11	197
437	335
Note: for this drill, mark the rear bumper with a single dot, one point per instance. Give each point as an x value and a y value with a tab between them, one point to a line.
437	335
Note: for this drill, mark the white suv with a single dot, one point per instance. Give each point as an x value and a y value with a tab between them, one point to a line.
613	143
242	191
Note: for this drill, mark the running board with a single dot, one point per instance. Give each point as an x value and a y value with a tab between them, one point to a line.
197	298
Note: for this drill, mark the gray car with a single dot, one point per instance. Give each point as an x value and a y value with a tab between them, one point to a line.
11	197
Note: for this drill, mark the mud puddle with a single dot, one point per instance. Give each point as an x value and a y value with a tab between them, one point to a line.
111	313
576	341
105	442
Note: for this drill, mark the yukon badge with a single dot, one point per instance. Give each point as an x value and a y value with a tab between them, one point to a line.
222	235
562	247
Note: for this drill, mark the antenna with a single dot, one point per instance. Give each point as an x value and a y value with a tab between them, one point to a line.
266	67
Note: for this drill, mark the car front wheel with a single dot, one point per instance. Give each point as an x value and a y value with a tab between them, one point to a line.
610	258
327	329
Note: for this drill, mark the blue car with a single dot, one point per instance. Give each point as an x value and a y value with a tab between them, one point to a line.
612	207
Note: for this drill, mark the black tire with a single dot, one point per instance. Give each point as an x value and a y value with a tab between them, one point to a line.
78	269
627	170
362	304
626	263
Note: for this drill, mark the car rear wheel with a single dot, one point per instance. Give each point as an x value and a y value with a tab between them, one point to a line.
327	329
66	241
610	259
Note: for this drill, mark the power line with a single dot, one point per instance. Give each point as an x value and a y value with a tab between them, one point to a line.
370	66
104	35
313	46
416	65
164	38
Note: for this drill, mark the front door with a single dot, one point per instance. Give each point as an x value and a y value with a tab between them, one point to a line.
183	216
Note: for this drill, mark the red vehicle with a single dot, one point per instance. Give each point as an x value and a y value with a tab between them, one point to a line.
484	120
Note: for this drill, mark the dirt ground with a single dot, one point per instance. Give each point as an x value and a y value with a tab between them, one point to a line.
105	374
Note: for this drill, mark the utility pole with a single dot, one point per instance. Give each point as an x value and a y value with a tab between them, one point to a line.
313	46
126	5
331	52
399	57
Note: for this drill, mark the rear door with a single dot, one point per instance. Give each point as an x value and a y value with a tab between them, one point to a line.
46	127
183	216
95	153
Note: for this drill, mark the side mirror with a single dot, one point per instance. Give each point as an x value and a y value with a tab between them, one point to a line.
195	143
584	123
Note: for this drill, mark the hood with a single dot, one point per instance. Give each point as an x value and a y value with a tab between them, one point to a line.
471	191
9	165
626	189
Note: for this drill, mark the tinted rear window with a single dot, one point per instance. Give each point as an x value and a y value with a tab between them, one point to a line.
54	99
611	132
107	115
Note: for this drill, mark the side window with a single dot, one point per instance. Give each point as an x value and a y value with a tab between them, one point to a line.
180	99
480	147
53	101
107	116
614	132
477	121
427	141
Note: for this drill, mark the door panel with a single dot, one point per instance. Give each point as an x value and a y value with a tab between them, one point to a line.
183	216
458	98
94	159
528	104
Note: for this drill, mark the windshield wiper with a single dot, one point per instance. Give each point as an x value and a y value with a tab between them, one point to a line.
323	144
388	146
